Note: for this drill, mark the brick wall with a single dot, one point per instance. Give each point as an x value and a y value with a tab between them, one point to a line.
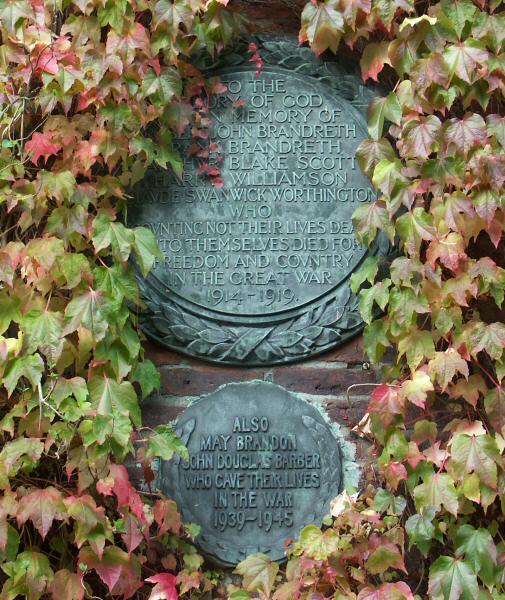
332	380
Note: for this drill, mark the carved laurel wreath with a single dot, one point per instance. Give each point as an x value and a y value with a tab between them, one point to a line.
224	340
225	553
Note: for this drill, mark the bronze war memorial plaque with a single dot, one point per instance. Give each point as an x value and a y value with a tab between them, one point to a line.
257	271
262	464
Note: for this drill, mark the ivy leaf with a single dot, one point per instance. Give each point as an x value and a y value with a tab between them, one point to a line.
418	346
107	233
146	248
380	109
30	367
386	401
42	507
29	574
450	250
437	491
9	311
370	218
66	585
414	227
322	26
108	398
373	59
164	442
462	59
452	579
444	366
43	330
475	454
370	152
367	272
489	337
466	133
165	587
421	138
459	13
259	572
478	548
385	556
148	376
11	11
416	389
85	310
378	293
421	530
469	390
40	145
173	14
387	591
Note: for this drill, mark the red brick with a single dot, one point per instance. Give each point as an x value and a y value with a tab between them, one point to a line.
202	378
351	353
347	413
324	380
159	413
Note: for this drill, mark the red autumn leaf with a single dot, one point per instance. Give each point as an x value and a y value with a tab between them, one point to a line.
39	145
449	250
165	587
41	507
132	536
386	401
387	591
167	517
124	491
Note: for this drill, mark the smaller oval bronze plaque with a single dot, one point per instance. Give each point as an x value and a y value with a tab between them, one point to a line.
263	464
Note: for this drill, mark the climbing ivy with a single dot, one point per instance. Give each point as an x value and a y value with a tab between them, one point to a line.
91	92
430	522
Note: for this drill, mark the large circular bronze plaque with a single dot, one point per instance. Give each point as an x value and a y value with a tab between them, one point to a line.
257	272
263	464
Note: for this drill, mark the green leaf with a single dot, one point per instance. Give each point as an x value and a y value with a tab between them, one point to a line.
380	109
28	575
113	14
148	376
9	311
418	346
421	530
107	233
370	152
437	491
452	579
259	572
474	454
86	311
478	549
164	443
43	331
30	367
459	13
146	248
414	227
463	59
375	339
110	398
379	294
386	556
367	272
444	366
488	337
